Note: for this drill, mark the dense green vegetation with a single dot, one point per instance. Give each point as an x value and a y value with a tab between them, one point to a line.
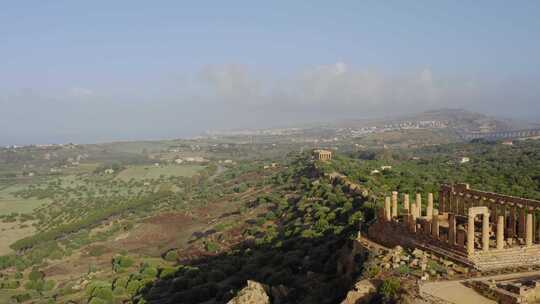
297	244
512	170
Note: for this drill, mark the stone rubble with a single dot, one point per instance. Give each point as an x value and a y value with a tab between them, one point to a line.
418	262
253	293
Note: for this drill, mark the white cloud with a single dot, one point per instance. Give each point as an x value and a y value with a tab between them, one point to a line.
336	88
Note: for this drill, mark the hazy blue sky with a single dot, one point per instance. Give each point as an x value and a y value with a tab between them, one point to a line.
102	70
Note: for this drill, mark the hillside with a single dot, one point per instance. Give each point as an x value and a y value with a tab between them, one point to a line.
191	221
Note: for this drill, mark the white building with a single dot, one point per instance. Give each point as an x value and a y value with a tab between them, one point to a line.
464	160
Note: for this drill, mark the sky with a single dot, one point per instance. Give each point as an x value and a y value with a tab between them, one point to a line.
95	71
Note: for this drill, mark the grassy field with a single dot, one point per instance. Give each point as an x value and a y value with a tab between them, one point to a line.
151	172
10	203
11	232
80	169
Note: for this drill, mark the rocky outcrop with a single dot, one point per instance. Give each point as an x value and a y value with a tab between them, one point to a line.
362	292
253	293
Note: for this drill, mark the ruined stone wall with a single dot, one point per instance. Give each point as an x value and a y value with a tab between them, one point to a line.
505	238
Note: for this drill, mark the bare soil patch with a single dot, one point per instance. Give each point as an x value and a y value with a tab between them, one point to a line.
11	232
159	233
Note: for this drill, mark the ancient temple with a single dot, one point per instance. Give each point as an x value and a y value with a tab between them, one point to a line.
322	154
482	229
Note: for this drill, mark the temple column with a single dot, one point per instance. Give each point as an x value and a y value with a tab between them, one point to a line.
538	230
511	222
412	222
485	232
387	211
470	234
529	230
394	204
494	214
429	210
442	204
460	238
406	206
500	232
521	223
427	227
533	226
419	204
451	229
435	224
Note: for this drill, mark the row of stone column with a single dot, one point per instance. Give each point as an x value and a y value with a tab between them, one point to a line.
499	234
509	220
391	209
430	222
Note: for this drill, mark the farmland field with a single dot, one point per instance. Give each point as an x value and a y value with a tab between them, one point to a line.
153	172
11	232
10	203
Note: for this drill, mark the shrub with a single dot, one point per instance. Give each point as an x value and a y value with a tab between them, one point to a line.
211	246
56	255
35	285
404	269
389	289
10	284
171	256
21	297
240	188
133	287
120	282
104	293
94	286
167	272
149	271
372	271
97	301
35	274
118	291
49	285
121	262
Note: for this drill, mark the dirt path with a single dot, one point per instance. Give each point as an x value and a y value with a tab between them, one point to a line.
456	292
453	292
220	169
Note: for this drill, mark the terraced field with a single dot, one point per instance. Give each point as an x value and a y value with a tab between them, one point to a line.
153	172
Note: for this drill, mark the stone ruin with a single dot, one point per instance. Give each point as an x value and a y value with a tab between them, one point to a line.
322	155
509	291
480	229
